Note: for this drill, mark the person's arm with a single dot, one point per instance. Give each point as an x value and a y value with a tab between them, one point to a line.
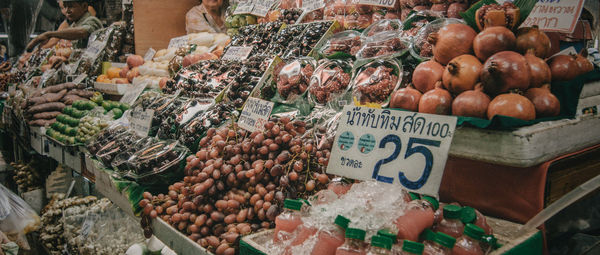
53	41
74	33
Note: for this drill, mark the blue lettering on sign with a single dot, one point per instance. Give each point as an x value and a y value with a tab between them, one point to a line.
410	150
411	124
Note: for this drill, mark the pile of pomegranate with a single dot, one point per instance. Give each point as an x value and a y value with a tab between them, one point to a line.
494	72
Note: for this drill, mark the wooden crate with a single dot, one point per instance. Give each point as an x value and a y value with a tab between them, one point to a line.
567	174
157	21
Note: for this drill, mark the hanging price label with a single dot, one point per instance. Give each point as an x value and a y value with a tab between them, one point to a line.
149	54
132	94
178	42
79	78
237	53
390	146
245	7
94	49
261	8
382	3
255	114
311	5
141	121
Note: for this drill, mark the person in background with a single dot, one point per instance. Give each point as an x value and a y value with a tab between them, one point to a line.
209	16
65	24
81	25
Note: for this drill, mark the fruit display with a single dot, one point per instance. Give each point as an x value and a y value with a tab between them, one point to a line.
302	45
44	105
216	116
348	42
123	75
293	77
171	125
382	45
329	80
374	82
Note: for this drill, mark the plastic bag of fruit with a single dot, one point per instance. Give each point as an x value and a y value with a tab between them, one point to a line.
342	45
375	81
330	82
291	79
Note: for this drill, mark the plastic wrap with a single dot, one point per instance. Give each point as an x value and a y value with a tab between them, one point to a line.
303	45
292	78
16	217
119	144
101	140
383	45
217	115
420	47
159	163
281	40
206	79
375	81
244	80
330	81
169	127
343	44
382	26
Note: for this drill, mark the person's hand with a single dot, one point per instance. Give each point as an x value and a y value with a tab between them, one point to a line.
40	39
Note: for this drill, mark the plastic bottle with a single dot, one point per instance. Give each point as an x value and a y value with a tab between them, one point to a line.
417	217
451	223
489	243
288	220
380	245
329	241
469	243
427	236
442	245
396	244
410	248
354	244
470	215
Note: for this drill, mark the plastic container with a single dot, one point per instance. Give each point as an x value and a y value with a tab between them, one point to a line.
375	81
396	245
342	45
412	248
330	81
329	241
291	79
287	222
420	48
380	245
442	245
382	45
354	243
418	216
381	26
169	127
158	163
469	244
451	224
470	215
218	115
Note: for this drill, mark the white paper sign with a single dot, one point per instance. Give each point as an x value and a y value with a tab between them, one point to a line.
261	8
382	3
178	42
149	54
311	5
237	53
555	15
79	78
94	49
133	93
141	121
255	114
245	7
391	146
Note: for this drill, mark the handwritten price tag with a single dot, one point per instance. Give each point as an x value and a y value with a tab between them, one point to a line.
255	114
149	54
132	94
261	8
555	16
400	147
141	121
237	53
178	42
311	5
382	3
245	7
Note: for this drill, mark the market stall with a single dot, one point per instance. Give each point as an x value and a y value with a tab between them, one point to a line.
302	127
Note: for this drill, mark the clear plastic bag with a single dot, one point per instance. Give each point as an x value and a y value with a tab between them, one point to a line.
347	42
375	81
330	81
217	115
292	78
16	217
382	26
382	45
169	127
420	48
157	164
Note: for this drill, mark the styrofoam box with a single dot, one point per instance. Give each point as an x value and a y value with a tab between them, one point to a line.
55	151
35	139
72	158
106	187
112	89
527	146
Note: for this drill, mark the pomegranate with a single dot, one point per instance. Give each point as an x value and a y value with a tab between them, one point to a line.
538	69
455	9
471	103
493	40
406	98
583	63
134	61
426	75
512	105
436	101
452	41
545	103
490	15
563	67
504	71
461	74
533	38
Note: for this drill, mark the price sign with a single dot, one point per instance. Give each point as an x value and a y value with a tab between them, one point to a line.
245	7
555	16
178	42
390	146
311	5
94	49
132	94
237	53
149	54
255	114
141	121
79	78
382	3
261	8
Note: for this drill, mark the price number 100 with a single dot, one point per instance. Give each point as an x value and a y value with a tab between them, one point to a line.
415	146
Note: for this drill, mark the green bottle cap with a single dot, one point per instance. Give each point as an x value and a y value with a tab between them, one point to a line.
427	235
413	196
468	215
413	247
292	204
388	234
445	240
452	212
381	242
342	221
473	231
491	241
355	233
434	202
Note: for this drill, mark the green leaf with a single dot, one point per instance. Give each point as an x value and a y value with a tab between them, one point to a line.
469	15
525	6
